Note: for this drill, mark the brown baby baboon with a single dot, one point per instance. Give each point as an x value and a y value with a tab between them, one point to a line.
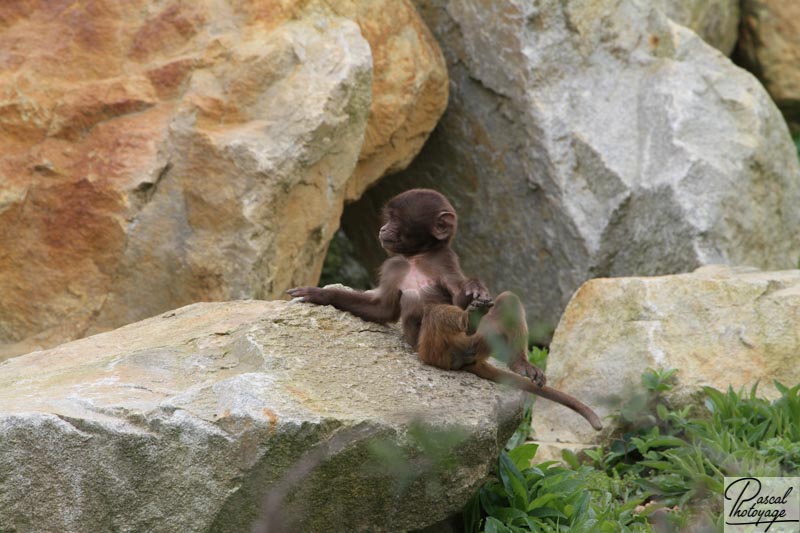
447	341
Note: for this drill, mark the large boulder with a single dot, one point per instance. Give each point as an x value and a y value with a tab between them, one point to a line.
718	326
207	417
769	46
588	139
716	21
154	155
409	87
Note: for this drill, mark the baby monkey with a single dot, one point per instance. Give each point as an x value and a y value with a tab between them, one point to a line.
422	285
449	341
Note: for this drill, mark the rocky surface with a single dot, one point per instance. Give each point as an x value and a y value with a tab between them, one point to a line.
191	420
716	21
718	326
409	86
157	154
769	46
588	139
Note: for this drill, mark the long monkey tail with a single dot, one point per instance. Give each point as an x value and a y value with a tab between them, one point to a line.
488	371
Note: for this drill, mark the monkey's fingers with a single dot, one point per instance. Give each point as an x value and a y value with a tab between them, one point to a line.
475	289
314	295
484	301
480	304
304	293
477	293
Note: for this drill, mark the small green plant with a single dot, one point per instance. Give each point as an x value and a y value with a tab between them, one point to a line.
797	143
659	380
665	468
552	497
538	357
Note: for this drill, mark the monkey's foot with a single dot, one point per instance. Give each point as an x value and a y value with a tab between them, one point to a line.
524	368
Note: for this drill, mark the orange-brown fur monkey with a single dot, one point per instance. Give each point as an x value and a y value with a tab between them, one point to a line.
447	341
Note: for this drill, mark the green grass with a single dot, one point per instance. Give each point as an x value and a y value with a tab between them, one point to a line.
666	466
797	143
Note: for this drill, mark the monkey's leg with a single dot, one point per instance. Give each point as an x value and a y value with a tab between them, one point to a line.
411	330
505	329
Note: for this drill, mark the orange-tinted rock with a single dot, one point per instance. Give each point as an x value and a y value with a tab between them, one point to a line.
409	87
157	154
769	46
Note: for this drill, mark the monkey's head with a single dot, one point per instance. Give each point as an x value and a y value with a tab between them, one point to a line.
417	221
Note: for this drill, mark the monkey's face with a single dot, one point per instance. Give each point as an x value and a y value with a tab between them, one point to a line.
401	235
417	221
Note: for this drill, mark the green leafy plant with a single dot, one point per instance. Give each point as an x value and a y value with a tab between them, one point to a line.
659	380
552	497
665	468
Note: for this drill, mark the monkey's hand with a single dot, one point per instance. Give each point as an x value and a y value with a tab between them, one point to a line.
474	289
476	309
523	367
480	305
314	295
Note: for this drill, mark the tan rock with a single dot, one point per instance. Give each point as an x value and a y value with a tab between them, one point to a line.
409	86
716	21
191	420
719	326
769	45
155	155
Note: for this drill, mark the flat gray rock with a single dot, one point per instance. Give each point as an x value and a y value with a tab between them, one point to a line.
191	420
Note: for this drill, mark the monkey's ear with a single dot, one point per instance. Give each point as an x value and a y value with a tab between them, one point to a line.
445	226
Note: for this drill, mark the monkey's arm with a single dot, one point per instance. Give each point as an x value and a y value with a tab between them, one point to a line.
466	290
462	289
380	305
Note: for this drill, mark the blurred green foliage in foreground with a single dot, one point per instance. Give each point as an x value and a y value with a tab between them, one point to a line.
663	472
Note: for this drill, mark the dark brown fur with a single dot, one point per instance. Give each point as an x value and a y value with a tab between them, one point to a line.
425	273
419	225
445	342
